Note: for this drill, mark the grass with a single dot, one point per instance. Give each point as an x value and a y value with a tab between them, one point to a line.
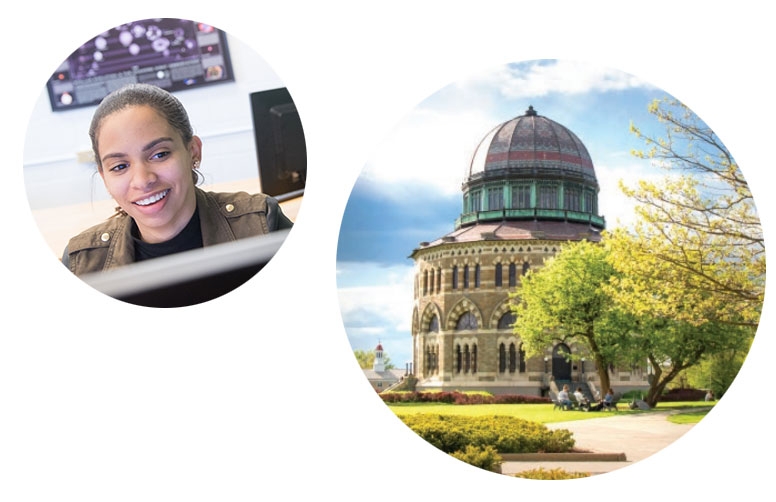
542	413
690	417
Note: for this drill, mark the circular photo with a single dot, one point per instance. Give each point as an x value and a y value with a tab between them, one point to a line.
551	270
165	162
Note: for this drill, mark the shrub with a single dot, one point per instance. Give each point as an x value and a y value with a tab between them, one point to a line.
483	457
456	397
451	433
674	395
542	473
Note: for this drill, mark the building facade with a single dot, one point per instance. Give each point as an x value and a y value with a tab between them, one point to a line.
531	187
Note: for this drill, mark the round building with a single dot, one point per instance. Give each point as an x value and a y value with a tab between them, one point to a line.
531	187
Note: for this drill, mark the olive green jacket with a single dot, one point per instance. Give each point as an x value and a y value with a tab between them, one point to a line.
224	217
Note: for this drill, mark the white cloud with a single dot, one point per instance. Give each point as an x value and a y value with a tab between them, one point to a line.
431	148
562	77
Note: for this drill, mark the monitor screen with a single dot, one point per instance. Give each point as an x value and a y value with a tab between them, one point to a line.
280	143
174	54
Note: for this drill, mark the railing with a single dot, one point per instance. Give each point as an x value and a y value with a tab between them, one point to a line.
529	214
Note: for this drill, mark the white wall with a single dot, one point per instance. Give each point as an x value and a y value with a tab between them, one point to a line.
66	196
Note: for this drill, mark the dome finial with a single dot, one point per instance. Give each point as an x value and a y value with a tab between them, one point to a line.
530	111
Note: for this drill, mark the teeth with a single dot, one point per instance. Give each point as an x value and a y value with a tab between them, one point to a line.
153	198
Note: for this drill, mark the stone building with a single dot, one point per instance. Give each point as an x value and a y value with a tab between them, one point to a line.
531	187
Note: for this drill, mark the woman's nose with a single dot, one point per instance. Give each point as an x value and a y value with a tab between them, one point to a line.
143	175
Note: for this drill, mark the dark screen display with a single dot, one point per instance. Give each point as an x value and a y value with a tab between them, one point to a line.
174	54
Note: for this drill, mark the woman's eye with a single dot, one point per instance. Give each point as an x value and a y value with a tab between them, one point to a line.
160	155
118	167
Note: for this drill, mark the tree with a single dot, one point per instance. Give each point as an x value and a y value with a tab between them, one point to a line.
366	359
692	268
564	302
699	225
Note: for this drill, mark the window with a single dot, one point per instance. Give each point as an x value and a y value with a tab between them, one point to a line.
497	278
455	276
502	358
512	358
521	197
466	321
526	267
496	198
512	275
477	276
433	325
465	276
467	359
506	321
439	280
474	358
548	197
425	282
590	203
475	201
572	198
458	359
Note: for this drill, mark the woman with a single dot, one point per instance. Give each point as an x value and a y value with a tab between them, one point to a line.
147	156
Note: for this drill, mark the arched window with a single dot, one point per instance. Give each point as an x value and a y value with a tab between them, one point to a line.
425	282
466	321
521	354
455	276
526	267
467	359
507	320
477	276
439	280
497	278
512	358
502	358
512	275
474	358
433	325
465	276
431	281
458	359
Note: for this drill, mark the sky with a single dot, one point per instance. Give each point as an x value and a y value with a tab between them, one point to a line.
410	189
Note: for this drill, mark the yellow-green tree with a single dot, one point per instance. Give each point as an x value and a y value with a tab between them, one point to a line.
696	252
565	301
692	267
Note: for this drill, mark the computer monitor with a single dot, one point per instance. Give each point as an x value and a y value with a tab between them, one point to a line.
190	277
280	144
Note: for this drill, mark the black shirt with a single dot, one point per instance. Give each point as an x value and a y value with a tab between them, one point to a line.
188	238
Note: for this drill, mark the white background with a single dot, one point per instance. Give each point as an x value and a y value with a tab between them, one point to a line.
256	395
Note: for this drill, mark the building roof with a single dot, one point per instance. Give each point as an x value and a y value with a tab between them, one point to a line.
392	375
531	144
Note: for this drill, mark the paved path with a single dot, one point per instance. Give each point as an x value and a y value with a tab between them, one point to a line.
638	436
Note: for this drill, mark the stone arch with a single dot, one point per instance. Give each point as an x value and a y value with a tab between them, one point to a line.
429	312
460	308
501	309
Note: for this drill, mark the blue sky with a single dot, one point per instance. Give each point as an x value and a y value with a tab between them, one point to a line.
410	189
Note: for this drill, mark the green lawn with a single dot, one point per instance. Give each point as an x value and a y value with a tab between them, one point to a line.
542	413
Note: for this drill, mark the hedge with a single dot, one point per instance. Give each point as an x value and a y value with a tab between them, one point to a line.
455	397
452	433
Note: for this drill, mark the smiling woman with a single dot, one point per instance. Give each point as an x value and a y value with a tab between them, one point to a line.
147	157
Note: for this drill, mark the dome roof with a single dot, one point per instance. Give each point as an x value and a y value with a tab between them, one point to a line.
531	145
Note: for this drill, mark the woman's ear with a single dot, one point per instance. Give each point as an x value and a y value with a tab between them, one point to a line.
195	150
